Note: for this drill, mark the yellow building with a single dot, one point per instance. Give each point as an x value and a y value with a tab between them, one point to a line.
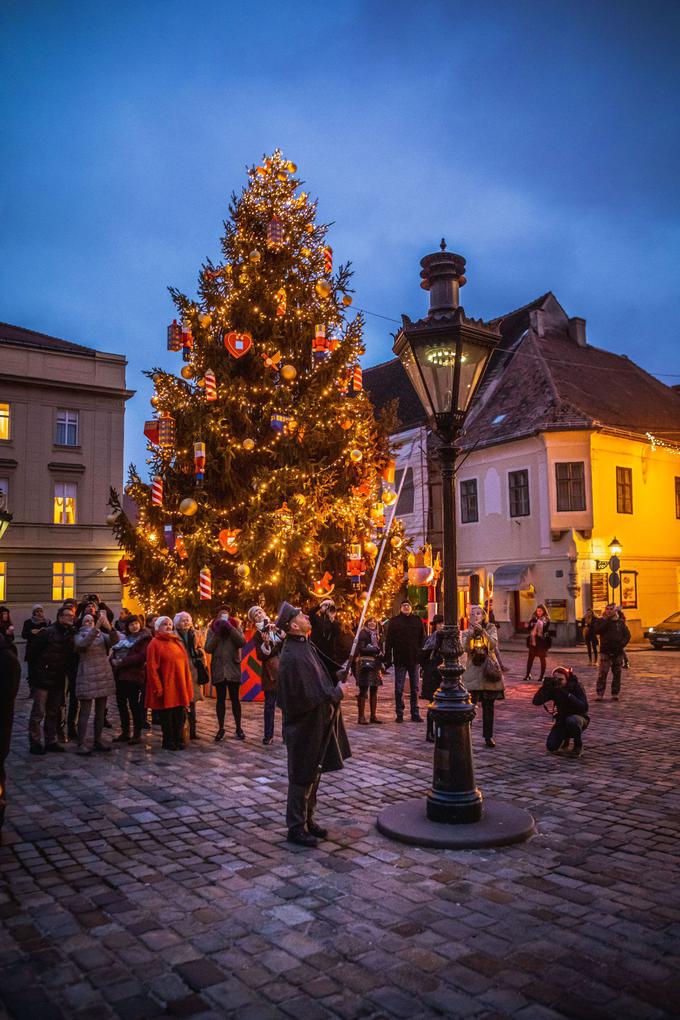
567	447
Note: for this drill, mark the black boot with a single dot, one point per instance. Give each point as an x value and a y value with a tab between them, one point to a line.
373	698
298	834
361	703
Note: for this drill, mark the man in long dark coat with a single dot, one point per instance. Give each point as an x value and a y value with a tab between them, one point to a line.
308	693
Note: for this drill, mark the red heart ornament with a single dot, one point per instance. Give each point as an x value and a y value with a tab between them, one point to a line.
238	344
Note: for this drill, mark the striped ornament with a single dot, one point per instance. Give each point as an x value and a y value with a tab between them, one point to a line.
210	385
205	584
157	491
357	379
328	260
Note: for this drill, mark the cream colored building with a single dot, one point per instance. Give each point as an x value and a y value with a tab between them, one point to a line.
62	409
566	448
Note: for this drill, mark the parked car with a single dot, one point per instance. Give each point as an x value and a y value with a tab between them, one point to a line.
666	634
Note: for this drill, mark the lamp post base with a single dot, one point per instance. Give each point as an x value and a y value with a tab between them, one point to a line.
501	824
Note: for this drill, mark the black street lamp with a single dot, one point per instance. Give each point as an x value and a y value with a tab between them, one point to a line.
445	356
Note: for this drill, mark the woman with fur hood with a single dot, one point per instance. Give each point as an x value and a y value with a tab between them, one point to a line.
483	676
94	680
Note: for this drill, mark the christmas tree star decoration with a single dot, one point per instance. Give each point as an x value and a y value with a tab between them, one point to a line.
266	472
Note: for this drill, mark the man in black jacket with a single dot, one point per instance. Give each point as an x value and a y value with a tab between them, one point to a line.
10	671
313	730
614	636
571	710
403	645
50	657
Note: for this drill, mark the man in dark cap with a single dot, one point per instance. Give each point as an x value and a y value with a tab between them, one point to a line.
308	692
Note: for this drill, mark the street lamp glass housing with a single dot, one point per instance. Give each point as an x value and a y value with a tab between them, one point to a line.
444	367
615	547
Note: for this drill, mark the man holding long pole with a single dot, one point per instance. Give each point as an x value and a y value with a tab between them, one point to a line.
309	694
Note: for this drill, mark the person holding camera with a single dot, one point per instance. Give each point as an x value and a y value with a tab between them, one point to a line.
325	628
570	710
483	676
94	680
268	644
223	643
539	640
403	647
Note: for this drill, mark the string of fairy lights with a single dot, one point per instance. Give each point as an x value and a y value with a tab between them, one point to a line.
270	473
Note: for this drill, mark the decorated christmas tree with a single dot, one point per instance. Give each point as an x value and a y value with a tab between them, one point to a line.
270	476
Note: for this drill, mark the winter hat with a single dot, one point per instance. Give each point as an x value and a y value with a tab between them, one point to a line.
160	620
251	613
287	614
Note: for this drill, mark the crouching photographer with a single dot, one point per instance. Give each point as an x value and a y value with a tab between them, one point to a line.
570	710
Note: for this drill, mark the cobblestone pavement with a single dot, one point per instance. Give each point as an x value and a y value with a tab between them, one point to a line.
145	883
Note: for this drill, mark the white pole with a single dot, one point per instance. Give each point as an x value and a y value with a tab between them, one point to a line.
378	559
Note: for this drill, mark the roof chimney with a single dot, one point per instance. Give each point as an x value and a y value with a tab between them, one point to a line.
577	330
537	321
443	275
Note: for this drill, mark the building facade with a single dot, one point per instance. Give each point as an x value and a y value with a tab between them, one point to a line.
567	447
62	409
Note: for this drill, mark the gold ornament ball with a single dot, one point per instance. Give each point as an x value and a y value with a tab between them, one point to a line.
187	372
371	548
346	424
282	175
396	542
188	507
310	228
288	372
356	456
388	497
243	570
255	256
155	401
291	167
112	518
248	444
346	300
323	288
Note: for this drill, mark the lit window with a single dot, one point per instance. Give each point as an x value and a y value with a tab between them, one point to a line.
67	428
3	582
4	493
64	503
63	581
4	421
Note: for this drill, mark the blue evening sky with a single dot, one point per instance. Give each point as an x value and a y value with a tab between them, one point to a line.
539	136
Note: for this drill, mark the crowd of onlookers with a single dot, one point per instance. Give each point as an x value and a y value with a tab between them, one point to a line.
158	668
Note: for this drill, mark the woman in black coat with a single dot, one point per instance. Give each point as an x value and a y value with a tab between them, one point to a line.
539	640
368	664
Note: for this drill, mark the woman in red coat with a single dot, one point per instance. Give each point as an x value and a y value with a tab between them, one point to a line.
169	687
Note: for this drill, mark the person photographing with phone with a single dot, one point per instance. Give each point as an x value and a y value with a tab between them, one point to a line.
309	694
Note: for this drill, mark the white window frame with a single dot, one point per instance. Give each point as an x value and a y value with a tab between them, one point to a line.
60	591
69	490
67	418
